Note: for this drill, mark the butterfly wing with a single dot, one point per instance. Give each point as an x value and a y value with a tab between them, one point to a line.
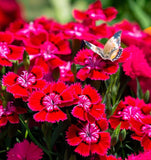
94	48
112	49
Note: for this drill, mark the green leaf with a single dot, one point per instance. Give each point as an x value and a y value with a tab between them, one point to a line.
139	90
139	14
146	96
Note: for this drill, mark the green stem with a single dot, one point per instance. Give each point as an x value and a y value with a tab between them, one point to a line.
33	138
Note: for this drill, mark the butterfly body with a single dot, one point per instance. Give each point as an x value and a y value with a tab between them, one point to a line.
111	51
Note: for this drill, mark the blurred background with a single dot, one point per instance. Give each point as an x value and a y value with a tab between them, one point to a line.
61	10
133	10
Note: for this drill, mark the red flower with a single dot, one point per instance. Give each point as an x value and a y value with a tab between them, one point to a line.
131	107
96	12
88	104
24	84
89	138
8	51
47	48
142	131
25	150
94	67
10	113
49	101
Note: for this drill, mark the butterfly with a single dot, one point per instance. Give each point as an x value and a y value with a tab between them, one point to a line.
111	51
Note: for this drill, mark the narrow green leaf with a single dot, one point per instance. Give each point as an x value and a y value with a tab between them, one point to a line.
139	90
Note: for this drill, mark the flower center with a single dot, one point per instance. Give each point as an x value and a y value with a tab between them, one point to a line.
84	102
147	129
94	62
48	50
90	133
4	50
129	112
26	79
51	101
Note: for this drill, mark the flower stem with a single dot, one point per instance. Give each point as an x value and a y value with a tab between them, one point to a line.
33	138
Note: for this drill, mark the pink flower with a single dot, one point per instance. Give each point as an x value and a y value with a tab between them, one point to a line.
25	150
10	113
137	65
94	67
89	138
131	33
24	84
88	103
96	12
8	51
50	101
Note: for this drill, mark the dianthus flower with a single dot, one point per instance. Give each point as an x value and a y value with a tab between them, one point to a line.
49	102
25	83
47	48
94	67
88	103
25	150
89	138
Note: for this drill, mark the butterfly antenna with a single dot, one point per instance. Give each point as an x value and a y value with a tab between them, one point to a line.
88	44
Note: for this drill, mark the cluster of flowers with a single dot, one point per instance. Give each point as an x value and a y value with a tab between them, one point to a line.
45	64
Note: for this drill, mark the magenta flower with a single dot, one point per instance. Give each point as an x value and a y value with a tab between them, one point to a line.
88	103
25	151
8	51
89	138
24	84
10	113
94	67
142	155
49	102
